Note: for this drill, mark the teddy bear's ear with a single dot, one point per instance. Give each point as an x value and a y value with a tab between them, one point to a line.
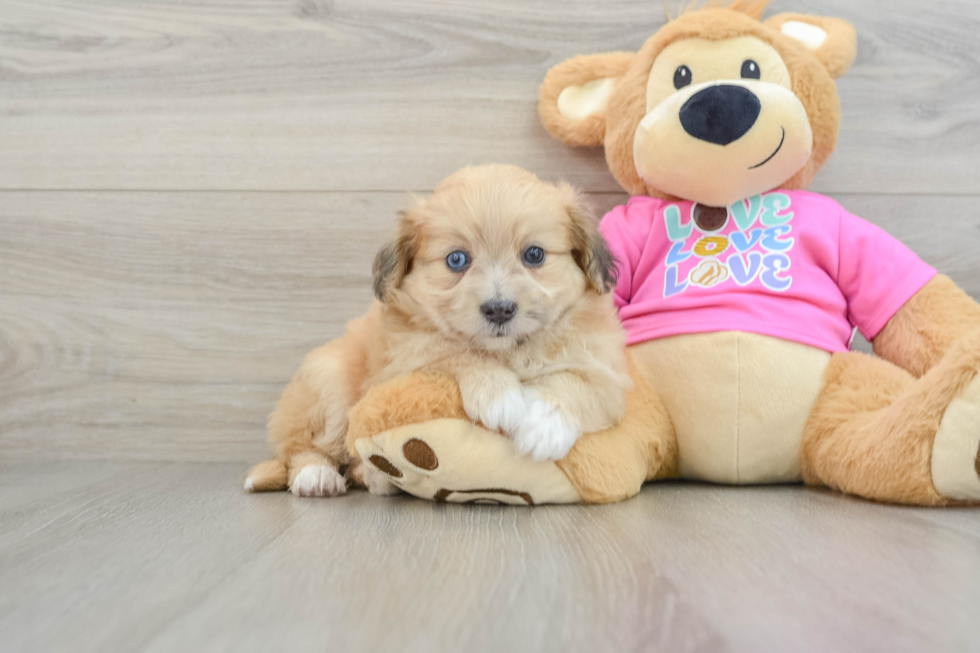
832	40
575	93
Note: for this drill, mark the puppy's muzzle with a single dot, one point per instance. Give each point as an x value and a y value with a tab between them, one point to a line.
720	114
499	311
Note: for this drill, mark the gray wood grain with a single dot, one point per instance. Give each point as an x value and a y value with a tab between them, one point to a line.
784	553
382	95
158	557
106	566
163	326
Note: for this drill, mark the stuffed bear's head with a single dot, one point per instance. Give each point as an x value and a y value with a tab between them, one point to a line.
715	107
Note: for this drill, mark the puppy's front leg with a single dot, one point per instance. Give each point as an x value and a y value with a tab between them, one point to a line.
560	407
492	394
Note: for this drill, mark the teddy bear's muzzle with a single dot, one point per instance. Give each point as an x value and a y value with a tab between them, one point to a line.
721	142
720	114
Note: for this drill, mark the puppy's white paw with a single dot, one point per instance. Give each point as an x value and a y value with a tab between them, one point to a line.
544	433
377	482
318	481
495	410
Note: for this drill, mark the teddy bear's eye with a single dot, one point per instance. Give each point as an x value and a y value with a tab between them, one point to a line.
750	70
682	77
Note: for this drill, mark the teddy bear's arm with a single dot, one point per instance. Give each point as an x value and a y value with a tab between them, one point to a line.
928	326
612	465
414	398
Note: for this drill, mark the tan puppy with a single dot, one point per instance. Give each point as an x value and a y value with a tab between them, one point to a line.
499	280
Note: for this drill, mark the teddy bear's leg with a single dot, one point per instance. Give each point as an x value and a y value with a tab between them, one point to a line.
880	433
613	465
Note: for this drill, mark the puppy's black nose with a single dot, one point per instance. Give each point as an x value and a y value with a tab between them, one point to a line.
499	311
720	114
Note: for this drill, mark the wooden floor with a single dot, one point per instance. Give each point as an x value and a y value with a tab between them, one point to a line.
111	556
191	194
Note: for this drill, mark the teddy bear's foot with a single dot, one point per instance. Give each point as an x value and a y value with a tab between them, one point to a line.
956	449
880	433
453	460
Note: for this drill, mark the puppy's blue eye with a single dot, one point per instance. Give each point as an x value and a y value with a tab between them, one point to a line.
533	256
457	261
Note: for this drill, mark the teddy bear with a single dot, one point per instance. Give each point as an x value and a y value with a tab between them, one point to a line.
739	290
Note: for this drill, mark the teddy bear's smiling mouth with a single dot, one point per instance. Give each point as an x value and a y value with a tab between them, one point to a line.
781	142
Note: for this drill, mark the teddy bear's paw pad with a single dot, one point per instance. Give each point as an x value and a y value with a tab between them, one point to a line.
486	496
956	449
420	454
385	466
318	481
380	463
453	460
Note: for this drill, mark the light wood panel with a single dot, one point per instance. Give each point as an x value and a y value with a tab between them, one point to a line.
374	94
164	325
153	557
105	565
170	321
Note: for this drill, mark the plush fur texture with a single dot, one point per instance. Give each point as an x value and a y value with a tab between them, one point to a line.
928	326
578	71
412	398
872	431
555	368
837	53
613	465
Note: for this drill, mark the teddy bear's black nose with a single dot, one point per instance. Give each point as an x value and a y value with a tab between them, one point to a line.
720	114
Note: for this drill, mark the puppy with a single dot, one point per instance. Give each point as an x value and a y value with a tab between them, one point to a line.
499	280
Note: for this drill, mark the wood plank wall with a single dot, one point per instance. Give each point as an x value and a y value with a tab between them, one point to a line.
191	193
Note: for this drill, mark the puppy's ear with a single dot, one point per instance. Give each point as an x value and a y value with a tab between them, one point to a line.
589	248
394	260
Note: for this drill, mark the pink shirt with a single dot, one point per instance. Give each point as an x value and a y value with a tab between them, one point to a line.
789	264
